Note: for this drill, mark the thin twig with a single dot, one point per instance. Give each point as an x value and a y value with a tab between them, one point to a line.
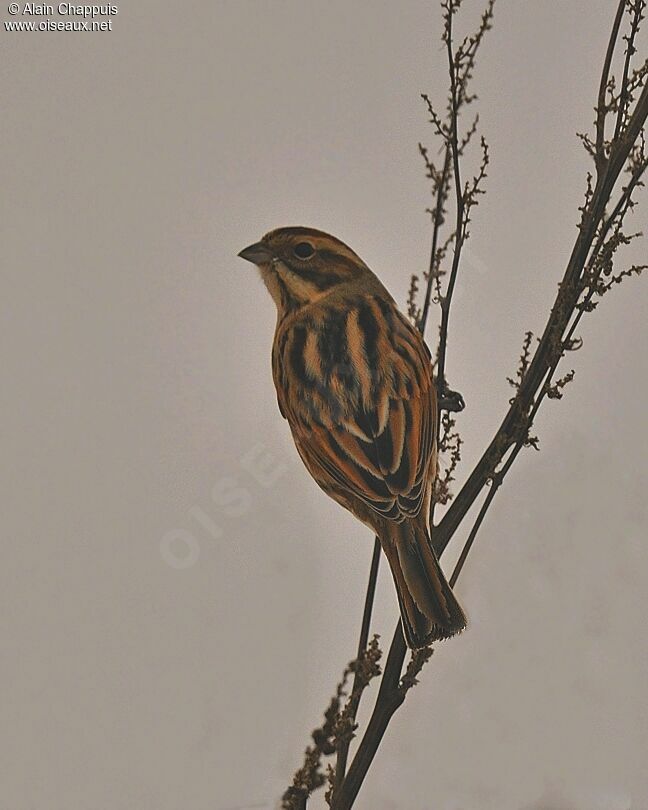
543	358
388	700
637	11
446	300
343	751
601	109
437	218
622	202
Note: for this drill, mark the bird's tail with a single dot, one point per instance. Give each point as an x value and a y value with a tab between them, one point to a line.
429	609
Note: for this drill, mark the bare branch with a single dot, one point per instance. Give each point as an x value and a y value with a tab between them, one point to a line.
437	221
601	109
343	748
636	9
551	344
390	697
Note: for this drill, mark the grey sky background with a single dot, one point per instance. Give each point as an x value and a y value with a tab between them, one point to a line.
177	597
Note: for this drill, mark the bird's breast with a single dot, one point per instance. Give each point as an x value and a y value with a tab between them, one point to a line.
332	361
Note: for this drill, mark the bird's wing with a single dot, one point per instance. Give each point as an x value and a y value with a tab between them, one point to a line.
356	387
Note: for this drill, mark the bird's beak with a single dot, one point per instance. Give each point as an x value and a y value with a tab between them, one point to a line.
257	253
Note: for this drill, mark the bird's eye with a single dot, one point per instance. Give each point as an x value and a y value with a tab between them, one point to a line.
304	250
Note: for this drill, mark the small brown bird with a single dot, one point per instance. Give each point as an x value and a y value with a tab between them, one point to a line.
354	380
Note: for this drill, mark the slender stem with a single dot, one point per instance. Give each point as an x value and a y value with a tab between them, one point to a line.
623	199
497	480
389	699
550	342
438	211
473	533
343	751
394	664
452	152
605	75
369	599
446	301
623	92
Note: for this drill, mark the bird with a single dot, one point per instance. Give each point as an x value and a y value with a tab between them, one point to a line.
354	380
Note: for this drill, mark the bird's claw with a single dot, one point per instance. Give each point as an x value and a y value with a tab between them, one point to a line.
451	401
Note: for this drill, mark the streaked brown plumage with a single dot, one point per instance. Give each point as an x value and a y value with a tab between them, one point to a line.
354	380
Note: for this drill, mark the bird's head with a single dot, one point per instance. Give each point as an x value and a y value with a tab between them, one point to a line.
301	265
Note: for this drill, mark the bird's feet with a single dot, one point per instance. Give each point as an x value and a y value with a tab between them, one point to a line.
450	401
